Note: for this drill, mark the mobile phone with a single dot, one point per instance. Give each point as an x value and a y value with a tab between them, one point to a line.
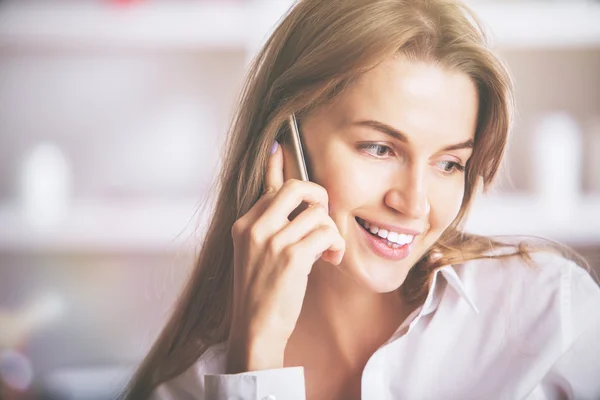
294	161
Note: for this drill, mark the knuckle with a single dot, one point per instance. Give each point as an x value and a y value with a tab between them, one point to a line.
292	184
288	256
255	234
269	190
273	245
320	191
330	233
316	210
237	228
323	193
326	230
297	186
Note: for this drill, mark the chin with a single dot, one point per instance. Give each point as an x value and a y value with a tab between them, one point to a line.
378	277
374	272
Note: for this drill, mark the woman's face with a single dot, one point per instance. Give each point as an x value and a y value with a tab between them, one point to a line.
391	151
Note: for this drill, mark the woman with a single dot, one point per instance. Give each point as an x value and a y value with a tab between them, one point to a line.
373	291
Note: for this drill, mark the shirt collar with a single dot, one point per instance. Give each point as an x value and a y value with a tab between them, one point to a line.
436	289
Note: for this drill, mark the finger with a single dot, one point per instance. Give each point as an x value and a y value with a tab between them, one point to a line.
273	182
274	174
334	257
277	208
318	241
308	220
291	195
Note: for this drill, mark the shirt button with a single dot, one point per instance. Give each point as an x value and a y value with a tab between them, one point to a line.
269	397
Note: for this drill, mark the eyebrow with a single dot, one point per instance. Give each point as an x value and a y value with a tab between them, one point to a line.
401	136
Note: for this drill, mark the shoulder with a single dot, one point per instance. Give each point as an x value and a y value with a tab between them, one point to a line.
544	272
548	293
190	383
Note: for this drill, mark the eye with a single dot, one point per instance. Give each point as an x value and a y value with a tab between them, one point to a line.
377	150
450	167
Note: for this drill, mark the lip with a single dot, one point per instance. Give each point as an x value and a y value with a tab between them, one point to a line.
378	246
394	228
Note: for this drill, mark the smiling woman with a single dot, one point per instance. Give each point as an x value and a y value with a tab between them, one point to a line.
373	291
391	151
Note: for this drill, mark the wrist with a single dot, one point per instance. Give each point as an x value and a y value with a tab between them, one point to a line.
254	355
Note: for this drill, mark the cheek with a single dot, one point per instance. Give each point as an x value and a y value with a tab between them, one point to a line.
347	185
445	204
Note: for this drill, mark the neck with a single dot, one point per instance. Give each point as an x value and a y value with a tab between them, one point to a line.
346	318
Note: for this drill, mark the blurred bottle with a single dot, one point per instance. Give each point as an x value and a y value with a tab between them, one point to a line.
556	156
592	155
45	186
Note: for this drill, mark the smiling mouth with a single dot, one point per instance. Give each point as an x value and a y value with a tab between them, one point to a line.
392	239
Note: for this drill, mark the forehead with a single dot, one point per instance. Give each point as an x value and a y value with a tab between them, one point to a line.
422	99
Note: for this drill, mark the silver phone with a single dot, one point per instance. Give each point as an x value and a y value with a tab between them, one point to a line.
294	161
298	165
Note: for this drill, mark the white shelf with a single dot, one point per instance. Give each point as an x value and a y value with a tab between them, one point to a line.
157	227
244	24
98	227
188	25
527	215
542	25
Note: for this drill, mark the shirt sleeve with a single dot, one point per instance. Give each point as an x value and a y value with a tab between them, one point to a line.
272	384
576	374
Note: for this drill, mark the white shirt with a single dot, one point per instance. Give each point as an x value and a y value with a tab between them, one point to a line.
488	329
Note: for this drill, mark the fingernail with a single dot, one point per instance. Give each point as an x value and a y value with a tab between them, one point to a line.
274	147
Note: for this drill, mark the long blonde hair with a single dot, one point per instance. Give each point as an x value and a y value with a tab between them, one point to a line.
319	49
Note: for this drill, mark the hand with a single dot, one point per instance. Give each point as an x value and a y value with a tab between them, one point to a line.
272	259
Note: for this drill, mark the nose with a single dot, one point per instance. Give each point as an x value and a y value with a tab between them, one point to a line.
409	193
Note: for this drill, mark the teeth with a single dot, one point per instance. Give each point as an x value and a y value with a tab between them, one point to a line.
403	238
391	236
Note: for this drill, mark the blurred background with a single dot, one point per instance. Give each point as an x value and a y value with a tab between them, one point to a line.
112	117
